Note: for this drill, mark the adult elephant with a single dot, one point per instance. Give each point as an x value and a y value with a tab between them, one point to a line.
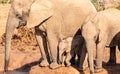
52	19
103	31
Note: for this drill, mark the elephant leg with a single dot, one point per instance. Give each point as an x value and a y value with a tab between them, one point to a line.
63	59
99	55
53	45
90	46
68	57
78	60
112	59
83	64
119	47
72	60
42	42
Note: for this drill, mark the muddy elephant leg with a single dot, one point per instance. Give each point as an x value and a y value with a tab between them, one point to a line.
112	59
83	64
78	60
73	60
42	42
99	55
119	47
53	45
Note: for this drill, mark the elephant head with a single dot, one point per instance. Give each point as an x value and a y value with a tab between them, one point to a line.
64	47
23	12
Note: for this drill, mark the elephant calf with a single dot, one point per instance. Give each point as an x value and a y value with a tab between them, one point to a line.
72	46
103	30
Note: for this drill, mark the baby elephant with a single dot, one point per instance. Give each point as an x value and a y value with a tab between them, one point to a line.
69	48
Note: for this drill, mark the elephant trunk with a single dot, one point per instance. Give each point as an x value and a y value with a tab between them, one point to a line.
10	26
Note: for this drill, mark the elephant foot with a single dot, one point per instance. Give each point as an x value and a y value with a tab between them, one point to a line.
111	62
73	61
63	65
44	63
97	70
91	72
68	64
54	65
83	68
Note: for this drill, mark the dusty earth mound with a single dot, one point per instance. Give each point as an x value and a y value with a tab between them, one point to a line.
21	36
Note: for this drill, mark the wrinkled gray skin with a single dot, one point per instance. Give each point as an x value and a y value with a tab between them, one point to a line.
102	31
52	20
73	46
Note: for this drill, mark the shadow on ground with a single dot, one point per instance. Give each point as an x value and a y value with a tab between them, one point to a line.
112	69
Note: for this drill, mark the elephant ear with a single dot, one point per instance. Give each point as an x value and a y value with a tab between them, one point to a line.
40	11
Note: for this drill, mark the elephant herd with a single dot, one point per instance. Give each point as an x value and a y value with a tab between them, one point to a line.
68	28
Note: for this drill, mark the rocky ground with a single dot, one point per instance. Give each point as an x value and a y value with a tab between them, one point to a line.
25	56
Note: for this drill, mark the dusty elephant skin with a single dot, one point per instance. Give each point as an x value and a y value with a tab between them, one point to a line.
52	19
73	46
104	29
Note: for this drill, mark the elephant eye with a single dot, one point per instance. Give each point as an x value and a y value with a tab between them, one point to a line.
18	16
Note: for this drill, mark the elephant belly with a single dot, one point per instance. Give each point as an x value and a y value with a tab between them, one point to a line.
72	22
115	40
73	14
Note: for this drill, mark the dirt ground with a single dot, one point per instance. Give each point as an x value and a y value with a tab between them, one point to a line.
25	57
